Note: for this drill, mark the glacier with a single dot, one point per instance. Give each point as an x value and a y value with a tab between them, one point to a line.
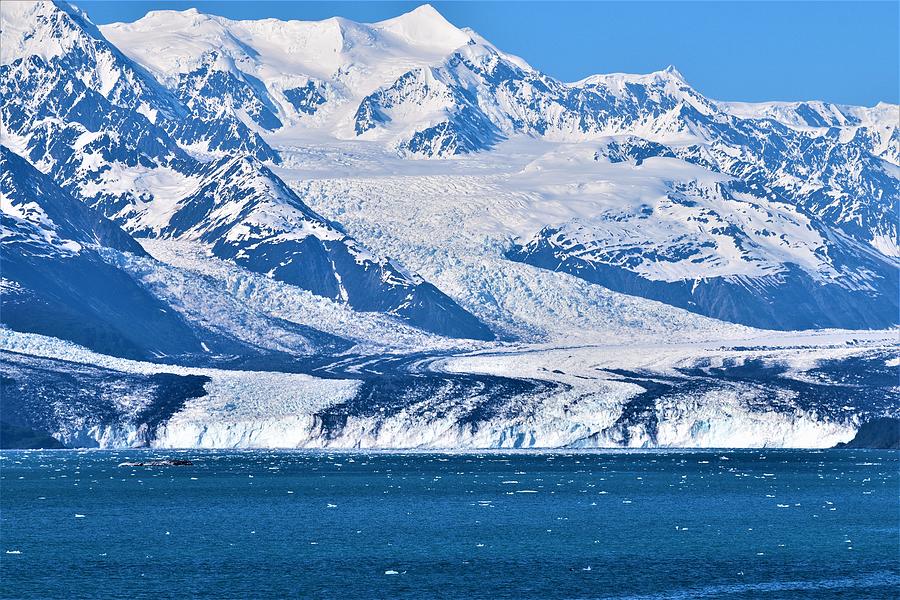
221	233
792	393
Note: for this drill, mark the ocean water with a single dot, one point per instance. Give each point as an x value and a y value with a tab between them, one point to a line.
261	524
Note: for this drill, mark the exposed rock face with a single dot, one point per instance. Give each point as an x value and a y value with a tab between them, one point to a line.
883	433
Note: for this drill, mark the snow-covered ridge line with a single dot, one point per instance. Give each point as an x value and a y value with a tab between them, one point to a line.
418	87
338	65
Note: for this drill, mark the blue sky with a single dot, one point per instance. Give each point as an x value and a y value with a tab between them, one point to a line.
846	52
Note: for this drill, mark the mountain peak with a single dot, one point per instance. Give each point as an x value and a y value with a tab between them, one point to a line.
44	29
668	75
425	27
173	19
424	11
674	73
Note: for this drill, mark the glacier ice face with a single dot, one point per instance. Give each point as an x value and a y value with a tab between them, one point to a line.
481	400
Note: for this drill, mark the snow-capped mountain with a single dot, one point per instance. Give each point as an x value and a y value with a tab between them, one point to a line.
707	242
407	237
449	92
81	111
39	219
55	281
110	123
106	131
238	209
880	123
70	273
276	74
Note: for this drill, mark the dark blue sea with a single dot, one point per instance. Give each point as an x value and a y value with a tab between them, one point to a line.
261	524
